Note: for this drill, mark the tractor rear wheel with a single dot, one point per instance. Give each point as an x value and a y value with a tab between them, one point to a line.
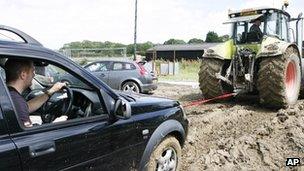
209	84
279	80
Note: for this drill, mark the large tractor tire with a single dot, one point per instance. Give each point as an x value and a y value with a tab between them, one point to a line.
279	80
209	84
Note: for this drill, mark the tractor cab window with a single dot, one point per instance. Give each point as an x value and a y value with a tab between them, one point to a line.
273	25
277	26
284	28
243	33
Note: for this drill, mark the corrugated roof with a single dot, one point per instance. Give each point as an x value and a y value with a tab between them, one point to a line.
182	47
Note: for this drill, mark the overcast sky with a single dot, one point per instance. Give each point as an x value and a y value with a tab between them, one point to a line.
55	22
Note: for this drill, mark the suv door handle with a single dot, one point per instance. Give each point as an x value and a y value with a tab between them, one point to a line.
102	75
42	149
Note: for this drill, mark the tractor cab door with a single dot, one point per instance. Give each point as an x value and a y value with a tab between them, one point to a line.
298	36
284	27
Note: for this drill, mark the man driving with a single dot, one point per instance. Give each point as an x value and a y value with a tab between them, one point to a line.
19	76
255	28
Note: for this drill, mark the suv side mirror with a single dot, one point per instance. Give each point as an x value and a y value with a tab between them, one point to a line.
122	109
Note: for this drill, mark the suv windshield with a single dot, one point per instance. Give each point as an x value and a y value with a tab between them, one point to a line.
50	74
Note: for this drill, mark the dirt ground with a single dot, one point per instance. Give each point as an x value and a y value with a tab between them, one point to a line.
238	134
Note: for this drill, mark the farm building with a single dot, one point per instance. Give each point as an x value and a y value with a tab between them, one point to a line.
178	52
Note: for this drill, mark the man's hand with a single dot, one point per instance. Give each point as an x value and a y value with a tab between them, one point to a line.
38	101
56	87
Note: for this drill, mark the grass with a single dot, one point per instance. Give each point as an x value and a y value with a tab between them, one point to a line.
188	71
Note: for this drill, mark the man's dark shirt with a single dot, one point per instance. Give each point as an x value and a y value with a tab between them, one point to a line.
20	105
256	29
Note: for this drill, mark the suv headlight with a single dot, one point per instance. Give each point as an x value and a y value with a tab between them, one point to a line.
183	111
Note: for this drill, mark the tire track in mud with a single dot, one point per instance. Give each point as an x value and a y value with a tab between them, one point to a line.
239	134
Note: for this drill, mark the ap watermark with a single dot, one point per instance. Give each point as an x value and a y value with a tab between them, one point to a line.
293	162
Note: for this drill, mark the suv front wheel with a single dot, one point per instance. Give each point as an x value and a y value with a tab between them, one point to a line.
166	156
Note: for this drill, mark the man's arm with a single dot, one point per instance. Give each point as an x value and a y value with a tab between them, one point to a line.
38	101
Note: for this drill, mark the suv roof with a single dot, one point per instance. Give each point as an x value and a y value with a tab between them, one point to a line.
25	37
30	47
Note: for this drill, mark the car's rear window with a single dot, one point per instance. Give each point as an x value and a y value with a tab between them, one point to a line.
129	66
123	66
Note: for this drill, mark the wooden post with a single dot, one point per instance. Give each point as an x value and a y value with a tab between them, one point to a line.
153	61
174	62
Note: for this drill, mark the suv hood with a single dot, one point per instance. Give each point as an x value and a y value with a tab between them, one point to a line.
142	103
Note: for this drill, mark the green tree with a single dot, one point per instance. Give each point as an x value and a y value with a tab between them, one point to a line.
174	41
141	48
212	37
195	41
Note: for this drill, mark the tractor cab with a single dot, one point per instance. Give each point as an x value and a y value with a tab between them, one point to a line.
250	25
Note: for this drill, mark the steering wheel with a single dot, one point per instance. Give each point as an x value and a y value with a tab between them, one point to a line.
60	103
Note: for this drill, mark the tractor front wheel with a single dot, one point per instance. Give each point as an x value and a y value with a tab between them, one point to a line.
209	84
279	80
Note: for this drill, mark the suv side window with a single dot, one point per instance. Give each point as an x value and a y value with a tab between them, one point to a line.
85	100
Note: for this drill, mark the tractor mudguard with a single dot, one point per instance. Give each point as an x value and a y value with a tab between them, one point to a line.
221	51
272	46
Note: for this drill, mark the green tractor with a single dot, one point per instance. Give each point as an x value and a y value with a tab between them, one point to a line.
263	57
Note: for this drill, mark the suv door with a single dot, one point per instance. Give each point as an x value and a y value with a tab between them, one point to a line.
84	143
58	146
9	157
100	70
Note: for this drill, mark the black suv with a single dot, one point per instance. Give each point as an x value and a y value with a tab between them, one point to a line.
91	126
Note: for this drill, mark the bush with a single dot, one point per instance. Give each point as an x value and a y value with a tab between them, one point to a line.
83	61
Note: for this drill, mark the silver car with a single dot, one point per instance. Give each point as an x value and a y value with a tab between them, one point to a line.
121	75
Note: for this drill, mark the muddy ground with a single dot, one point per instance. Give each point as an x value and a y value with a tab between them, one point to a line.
238	134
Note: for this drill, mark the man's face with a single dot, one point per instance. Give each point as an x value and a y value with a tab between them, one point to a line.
258	22
29	74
